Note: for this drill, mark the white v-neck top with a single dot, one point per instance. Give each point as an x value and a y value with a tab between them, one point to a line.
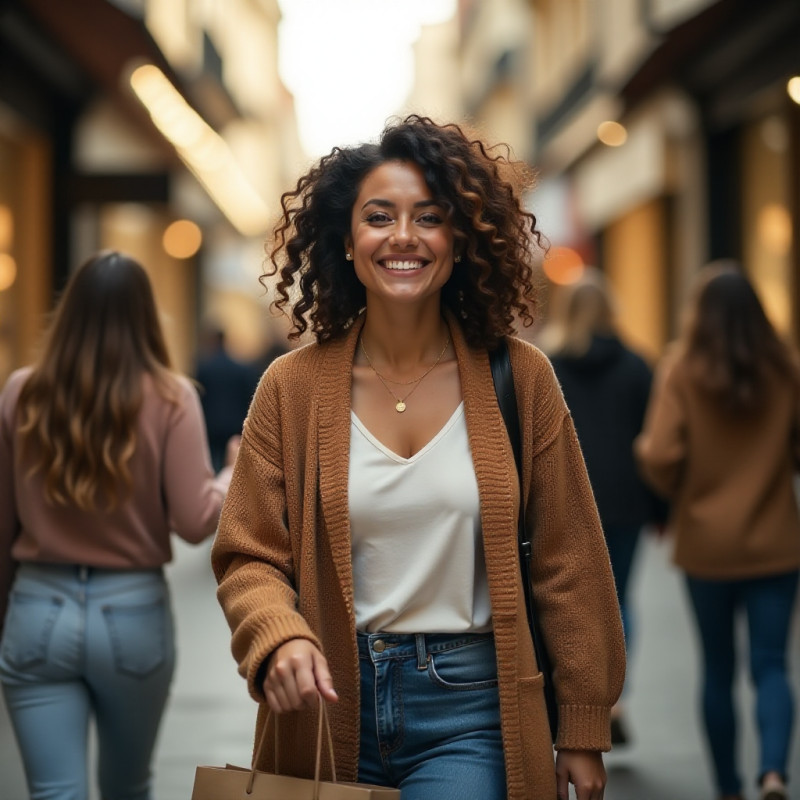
417	547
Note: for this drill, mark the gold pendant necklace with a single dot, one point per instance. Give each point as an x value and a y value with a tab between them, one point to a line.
400	405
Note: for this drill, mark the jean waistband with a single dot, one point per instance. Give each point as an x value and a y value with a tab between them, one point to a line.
382	646
82	582
82	572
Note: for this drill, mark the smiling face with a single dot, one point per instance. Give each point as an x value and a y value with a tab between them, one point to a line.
400	238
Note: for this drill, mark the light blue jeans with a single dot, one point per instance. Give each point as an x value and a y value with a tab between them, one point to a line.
430	716
81	642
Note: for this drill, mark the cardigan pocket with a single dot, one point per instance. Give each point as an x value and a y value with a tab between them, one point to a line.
532	709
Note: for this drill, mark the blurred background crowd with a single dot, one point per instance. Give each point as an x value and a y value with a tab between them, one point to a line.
666	134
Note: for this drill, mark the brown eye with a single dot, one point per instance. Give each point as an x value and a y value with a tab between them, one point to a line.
430	219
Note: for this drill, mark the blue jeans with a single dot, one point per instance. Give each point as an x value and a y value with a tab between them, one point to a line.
769	603
81	642
430	715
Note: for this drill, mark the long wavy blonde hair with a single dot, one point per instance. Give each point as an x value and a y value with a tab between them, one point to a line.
78	409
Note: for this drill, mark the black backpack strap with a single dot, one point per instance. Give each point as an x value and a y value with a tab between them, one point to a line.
503	378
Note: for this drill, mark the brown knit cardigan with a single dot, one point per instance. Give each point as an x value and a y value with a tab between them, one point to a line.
282	556
729	476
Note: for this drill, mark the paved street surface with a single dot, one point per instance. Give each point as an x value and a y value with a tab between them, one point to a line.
210	718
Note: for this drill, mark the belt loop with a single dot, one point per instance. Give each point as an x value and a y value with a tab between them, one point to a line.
83	578
422	656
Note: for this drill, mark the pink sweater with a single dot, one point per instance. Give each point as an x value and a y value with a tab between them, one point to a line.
174	489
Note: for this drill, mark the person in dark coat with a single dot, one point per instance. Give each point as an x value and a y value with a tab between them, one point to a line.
226	389
607	387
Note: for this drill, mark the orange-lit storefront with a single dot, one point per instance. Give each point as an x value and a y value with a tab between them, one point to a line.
708	166
25	278
81	169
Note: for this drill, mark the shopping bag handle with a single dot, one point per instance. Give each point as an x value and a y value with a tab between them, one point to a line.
323	721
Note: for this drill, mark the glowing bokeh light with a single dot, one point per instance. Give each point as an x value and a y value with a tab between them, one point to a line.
8	271
793	88
563	266
612	133
182	239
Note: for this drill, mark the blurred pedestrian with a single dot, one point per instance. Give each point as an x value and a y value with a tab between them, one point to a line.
102	454
367	551
227	387
722	441
606	385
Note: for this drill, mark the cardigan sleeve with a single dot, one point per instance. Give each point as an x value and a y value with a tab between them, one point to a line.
573	587
661	447
252	552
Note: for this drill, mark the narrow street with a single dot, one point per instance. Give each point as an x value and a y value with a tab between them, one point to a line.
210	718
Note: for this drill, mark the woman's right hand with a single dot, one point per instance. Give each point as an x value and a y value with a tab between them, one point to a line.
297	675
232	449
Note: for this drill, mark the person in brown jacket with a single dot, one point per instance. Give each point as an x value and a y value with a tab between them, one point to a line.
367	551
721	441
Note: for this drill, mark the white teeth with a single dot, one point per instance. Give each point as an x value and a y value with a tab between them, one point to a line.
403	265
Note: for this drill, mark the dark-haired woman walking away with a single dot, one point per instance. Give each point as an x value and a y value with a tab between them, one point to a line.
721	440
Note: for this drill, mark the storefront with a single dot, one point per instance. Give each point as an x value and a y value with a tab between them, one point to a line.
82	168
732	64
704	160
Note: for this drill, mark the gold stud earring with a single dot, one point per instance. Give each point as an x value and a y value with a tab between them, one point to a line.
457	259
348	256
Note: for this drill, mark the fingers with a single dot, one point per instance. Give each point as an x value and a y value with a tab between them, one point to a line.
562	782
232	449
584	770
323	679
588	791
297	675
583	790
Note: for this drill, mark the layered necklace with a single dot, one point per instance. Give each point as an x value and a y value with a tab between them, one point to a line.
400	404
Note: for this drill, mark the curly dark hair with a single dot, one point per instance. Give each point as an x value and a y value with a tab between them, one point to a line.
478	188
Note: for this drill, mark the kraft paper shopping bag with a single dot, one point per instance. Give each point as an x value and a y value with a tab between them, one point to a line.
238	783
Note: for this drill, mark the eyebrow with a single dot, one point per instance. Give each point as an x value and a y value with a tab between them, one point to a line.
389	204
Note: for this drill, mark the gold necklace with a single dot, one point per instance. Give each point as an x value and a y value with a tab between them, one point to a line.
400	405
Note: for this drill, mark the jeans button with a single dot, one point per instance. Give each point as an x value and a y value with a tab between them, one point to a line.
379	646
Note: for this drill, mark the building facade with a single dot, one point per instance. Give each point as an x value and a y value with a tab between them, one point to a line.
666	136
156	127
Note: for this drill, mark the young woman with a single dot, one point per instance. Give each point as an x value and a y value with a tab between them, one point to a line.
102	454
367	551
722	440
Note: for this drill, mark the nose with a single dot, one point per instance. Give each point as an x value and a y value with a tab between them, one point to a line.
403	234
